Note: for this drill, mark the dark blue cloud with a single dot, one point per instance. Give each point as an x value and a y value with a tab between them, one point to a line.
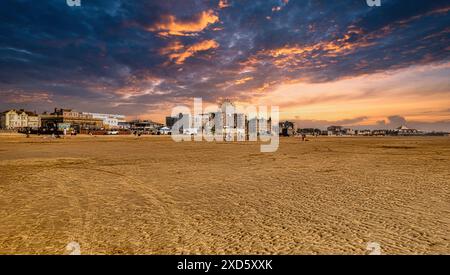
105	49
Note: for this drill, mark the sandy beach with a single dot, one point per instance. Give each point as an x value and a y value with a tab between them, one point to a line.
150	195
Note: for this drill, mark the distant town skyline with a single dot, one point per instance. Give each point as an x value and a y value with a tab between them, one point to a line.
323	62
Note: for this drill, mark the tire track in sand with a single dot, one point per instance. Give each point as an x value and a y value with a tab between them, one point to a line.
167	217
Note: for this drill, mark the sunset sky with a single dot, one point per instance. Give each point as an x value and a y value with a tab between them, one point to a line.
323	62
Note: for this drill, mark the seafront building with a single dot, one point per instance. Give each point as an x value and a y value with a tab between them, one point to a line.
62	119
170	121
405	131
335	130
310	131
144	126
365	132
400	131
226	120
110	121
286	128
19	119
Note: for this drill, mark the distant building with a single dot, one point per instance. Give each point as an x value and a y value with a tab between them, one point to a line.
309	131
146	126
348	132
235	124
286	128
19	119
261	126
335	131
384	132
363	132
170	121
405	131
225	120
437	134
265	126
184	121
124	125
110	121
66	118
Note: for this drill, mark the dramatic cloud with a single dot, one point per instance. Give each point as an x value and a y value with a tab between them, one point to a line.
24	97
169	24
180	53
142	57
243	80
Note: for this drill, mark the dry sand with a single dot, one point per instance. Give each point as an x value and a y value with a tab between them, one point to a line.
150	195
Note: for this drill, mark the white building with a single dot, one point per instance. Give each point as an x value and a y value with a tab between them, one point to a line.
405	131
226	120
349	132
109	120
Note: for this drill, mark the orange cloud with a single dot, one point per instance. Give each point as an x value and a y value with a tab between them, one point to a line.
243	80
180	53
172	47
265	86
138	86
170	25
338	46
297	55
289	50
